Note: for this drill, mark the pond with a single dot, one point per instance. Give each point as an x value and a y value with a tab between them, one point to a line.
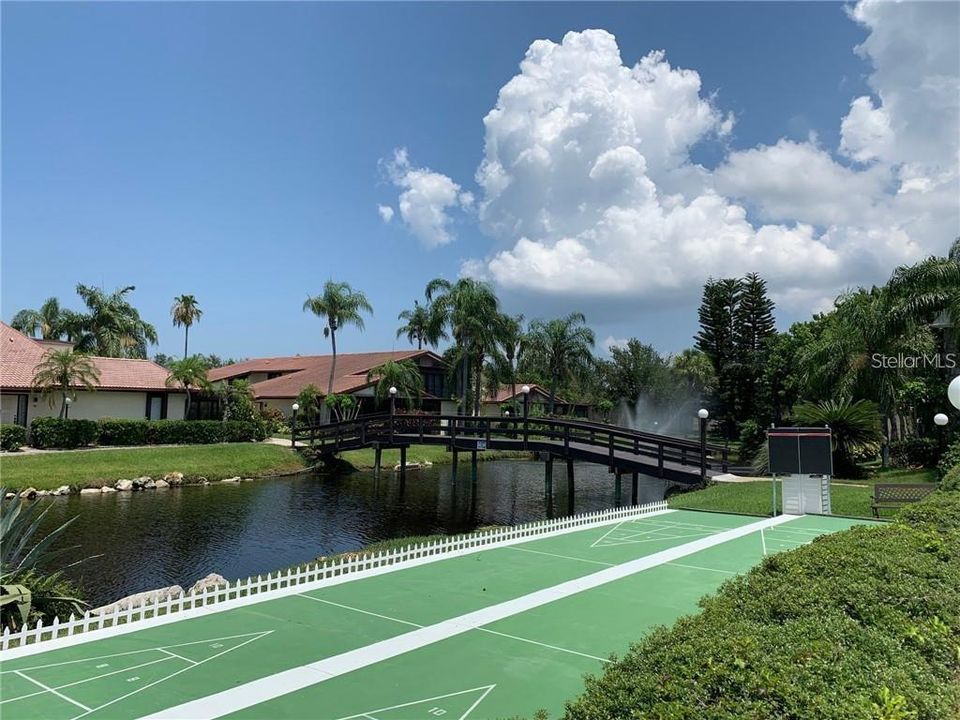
153	539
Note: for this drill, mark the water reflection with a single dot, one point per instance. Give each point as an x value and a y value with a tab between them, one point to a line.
158	538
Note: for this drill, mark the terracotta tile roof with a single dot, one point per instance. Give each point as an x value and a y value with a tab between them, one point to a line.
504	394
303	370
20	355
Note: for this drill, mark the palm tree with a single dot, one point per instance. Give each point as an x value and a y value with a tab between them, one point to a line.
563	346
341	305
862	327
695	368
185	312
113	327
60	373
188	373
468	307
48	322
931	288
423	324
509	349
855	427
404	375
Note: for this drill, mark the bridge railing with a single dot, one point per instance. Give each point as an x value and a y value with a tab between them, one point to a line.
463	432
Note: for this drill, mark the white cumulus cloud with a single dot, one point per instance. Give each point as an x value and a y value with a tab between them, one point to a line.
425	200
386	212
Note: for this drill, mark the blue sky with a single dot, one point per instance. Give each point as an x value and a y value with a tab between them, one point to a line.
235	151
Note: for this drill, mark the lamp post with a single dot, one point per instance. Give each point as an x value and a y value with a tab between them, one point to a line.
703	414
293	425
66	408
393	409
940	420
526	413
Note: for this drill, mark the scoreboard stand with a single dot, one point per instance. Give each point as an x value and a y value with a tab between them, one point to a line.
803	459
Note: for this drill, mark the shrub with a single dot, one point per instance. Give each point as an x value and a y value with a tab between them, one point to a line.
859	624
12	437
950	459
274	420
752	438
50	432
915	452
122	432
185	432
951	481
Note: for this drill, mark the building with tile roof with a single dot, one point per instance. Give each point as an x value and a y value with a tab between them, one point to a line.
276	381
126	388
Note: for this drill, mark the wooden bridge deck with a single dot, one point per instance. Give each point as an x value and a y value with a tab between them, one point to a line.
622	450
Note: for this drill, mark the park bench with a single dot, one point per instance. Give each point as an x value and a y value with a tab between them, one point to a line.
896	495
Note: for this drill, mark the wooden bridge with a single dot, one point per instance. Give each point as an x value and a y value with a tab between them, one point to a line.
622	450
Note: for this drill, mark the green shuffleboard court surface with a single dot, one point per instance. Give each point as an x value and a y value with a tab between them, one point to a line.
501	632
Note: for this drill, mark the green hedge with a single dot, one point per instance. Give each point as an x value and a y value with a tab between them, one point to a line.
178	432
859	624
915	452
51	432
12	437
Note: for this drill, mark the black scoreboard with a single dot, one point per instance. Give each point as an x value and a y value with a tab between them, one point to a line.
800	451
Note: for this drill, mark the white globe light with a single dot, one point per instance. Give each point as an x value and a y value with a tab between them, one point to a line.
69	400
941	419
296	406
703	413
525	389
506	413
393	391
953	392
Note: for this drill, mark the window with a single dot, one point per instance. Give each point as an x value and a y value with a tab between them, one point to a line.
435	383
156	406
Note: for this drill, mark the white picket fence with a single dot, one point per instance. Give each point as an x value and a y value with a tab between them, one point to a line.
309	577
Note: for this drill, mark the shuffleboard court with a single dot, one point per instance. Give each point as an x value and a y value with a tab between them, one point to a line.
500	632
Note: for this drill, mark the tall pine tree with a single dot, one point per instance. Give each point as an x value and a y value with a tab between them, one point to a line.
753	326
717	340
736	324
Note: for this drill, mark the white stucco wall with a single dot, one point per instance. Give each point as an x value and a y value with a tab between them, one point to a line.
8	408
104	403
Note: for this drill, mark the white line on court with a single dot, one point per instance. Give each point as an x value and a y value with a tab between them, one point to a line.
288	681
699	567
365	612
178	657
562	557
51	690
86	680
541	644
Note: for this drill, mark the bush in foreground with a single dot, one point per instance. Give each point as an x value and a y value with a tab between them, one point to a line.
859	624
12	437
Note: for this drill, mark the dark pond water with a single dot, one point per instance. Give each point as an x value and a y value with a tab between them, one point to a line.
176	536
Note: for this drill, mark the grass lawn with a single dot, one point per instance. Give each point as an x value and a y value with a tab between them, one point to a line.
755	498
848	497
437	454
82	468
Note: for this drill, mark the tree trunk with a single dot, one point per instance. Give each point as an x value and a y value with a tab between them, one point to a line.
479	383
554	379
464	382
333	362
186	403
186	338
63	406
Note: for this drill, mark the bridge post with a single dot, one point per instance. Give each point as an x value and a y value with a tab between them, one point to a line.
403	462
473	464
703	415
526	414
377	458
548	484
570	486
634	488
617	488
610	452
